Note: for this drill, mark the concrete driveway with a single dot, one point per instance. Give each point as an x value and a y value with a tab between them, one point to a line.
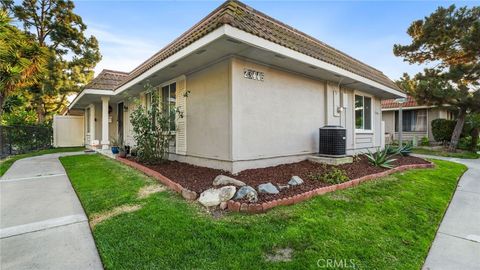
42	223
457	243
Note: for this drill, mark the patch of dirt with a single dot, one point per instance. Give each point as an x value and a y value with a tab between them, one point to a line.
200	179
280	255
100	217
149	190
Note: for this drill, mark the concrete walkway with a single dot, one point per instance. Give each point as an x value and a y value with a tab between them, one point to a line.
457	243
42	223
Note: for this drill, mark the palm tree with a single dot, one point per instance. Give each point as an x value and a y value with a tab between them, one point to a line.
22	59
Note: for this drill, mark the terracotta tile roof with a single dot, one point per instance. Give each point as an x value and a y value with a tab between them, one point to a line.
391	104
243	17
107	80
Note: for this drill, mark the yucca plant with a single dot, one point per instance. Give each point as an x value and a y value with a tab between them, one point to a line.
381	158
391	150
405	150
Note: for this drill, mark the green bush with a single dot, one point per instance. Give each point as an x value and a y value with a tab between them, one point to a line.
424	141
442	129
153	128
334	176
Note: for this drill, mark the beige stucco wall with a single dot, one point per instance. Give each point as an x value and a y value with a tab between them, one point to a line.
235	123
277	120
279	116
208	112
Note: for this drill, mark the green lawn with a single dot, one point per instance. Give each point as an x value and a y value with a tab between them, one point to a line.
463	154
386	224
7	162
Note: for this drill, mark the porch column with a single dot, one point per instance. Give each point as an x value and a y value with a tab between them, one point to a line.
105	142
92	123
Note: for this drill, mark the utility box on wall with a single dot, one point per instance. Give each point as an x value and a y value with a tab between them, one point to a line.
332	141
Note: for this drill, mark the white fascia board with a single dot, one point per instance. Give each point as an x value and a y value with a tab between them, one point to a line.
90	92
175	57
278	49
408	108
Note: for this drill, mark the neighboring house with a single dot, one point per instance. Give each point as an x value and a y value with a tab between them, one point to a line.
417	120
259	90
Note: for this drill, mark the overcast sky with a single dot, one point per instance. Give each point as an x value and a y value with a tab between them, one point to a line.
131	31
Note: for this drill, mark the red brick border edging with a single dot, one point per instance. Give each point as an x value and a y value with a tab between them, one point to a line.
160	177
263	207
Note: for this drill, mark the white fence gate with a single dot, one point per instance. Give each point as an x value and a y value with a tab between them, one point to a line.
68	130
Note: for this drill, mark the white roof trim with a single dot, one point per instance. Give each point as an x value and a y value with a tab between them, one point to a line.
100	92
248	39
175	57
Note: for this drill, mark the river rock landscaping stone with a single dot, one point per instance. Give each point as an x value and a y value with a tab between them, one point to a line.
226	193
268	188
248	193
295	181
189	195
282	187
210	197
222	180
213	197
223	205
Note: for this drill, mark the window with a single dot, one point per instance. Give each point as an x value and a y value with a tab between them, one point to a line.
148	100
413	120
169	97
363	112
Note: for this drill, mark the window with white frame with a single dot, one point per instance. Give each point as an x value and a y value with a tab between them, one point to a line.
169	97
363	112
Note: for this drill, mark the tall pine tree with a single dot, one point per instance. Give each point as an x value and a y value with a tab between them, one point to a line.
73	55
448	40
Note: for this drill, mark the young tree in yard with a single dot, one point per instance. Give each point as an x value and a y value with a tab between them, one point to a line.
22	60
153	127
449	40
56	27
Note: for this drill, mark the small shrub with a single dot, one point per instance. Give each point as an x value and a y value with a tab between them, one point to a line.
424	141
380	158
153	128
334	176
442	129
465	143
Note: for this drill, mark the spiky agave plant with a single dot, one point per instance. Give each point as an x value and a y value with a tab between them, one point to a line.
380	158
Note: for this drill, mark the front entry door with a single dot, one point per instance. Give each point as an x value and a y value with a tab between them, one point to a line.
120	122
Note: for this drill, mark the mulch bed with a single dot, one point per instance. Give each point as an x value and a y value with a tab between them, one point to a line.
200	179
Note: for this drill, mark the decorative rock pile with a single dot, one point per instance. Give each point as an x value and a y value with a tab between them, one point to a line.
219	196
215	196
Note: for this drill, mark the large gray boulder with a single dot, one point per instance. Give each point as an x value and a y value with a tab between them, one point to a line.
213	197
222	180
295	181
268	188
248	193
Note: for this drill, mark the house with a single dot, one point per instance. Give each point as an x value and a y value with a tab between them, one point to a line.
259	91
417	119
